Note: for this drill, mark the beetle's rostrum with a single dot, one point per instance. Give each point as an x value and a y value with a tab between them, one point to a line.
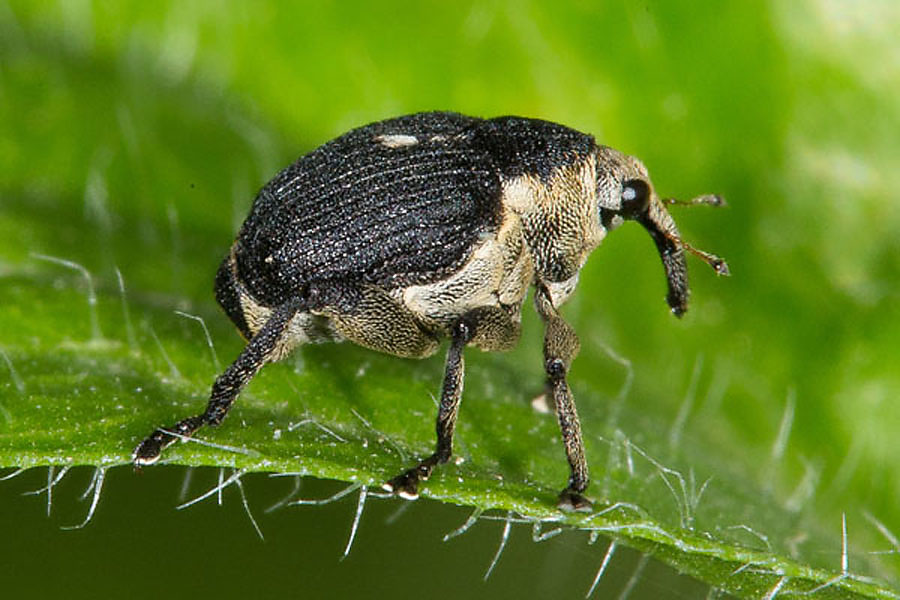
404	232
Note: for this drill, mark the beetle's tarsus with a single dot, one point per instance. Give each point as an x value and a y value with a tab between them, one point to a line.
148	451
406	485
572	501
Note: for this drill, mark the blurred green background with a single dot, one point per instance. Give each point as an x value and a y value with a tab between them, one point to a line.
133	136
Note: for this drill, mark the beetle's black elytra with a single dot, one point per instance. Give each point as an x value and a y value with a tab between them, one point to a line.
429	226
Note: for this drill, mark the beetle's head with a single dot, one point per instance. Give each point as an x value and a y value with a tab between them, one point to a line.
625	193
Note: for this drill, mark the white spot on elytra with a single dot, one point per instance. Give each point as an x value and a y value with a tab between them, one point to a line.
397	140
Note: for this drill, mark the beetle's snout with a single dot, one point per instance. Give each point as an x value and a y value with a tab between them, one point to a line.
661	227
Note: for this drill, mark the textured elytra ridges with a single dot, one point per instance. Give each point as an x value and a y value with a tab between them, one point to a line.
394	203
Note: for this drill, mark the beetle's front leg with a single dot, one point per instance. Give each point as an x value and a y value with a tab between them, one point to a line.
560	347
488	328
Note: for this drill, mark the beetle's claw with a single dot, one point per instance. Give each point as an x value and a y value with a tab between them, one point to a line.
572	501
405	485
148	451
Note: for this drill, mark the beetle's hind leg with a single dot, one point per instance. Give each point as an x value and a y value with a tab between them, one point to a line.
265	346
489	328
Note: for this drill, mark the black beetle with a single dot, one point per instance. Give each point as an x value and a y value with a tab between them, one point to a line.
403	232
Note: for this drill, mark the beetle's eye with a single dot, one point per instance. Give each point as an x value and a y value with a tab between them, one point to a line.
635	197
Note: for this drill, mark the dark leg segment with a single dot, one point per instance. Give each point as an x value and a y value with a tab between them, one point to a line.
406	485
560	347
259	350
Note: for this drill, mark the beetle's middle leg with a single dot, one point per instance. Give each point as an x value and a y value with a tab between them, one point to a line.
265	346
488	328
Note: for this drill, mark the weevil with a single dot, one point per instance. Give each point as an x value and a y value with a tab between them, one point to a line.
404	232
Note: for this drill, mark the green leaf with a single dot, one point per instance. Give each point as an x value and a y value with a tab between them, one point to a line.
732	445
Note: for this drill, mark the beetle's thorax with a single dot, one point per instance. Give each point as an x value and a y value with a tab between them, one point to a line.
498	273
558	217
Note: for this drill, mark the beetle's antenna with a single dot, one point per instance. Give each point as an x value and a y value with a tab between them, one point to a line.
705	199
718	264
661	227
